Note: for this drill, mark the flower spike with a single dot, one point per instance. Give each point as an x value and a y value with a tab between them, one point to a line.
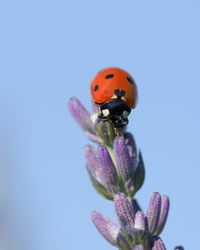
116	170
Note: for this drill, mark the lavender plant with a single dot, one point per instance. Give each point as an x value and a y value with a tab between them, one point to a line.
117	172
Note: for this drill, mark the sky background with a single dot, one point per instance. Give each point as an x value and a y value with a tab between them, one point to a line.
49	51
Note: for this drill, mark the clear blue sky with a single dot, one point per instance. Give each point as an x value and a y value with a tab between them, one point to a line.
49	51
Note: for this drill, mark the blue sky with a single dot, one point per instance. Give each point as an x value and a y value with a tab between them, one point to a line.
49	51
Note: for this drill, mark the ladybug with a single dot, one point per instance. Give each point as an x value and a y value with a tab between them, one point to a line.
115	91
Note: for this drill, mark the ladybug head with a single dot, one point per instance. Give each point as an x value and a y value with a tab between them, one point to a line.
114	83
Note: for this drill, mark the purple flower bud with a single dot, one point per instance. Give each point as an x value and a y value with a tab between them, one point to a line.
95	173
80	114
140	221
107	165
124	210
158	245
163	214
124	162
153	213
106	228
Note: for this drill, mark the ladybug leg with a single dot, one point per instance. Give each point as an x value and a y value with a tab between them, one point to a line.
118	121
124	122
125	114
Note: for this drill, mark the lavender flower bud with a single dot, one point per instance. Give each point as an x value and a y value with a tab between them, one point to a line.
107	169
95	175
158	245
106	228
140	221
124	163
81	115
124	210
163	214
153	213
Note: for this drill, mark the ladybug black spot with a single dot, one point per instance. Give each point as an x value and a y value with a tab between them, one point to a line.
109	76
96	87
130	79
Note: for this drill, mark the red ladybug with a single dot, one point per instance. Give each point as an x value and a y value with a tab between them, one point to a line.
116	92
